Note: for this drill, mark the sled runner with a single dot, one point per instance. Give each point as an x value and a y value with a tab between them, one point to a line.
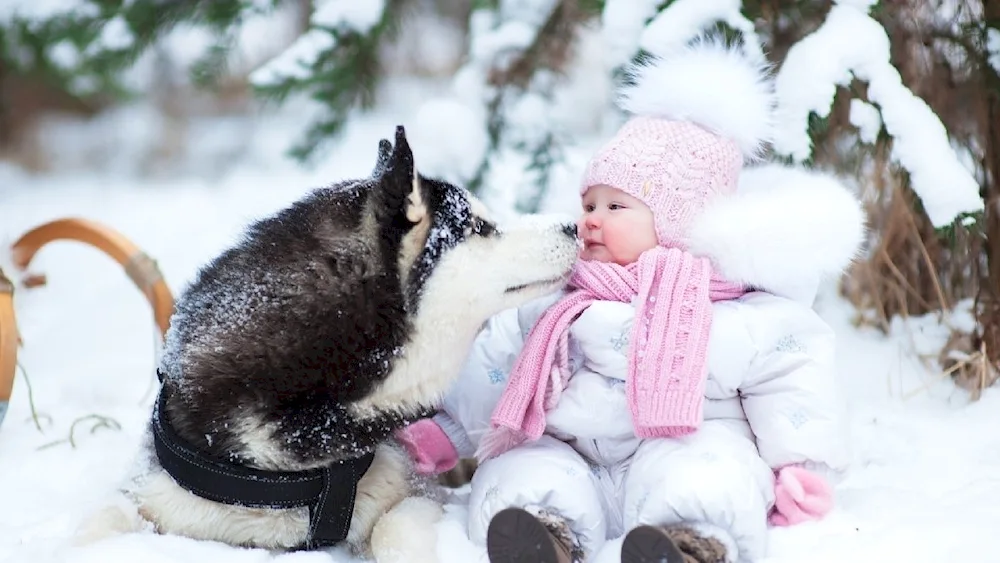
8	342
139	267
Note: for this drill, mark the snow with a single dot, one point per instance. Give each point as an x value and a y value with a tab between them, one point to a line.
328	18
532	12
498	38
296	61
923	485
459	148
527	117
425	44
866	118
863	5
348	14
64	54
43	9
622	22
684	20
850	42
115	35
993	48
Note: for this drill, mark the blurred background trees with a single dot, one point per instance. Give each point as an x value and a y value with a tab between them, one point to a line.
900	98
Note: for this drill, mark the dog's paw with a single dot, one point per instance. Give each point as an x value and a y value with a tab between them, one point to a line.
118	517
407	533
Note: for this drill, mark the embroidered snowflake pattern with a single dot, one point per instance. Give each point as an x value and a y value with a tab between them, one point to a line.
789	343
492	492
496	376
797	418
619	342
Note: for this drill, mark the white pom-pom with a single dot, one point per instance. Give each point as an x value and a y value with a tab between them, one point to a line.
720	87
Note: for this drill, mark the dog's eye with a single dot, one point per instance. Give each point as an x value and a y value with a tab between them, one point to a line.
482	228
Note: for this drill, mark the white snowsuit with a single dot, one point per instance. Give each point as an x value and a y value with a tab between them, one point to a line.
771	401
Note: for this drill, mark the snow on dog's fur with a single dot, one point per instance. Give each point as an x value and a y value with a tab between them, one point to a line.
329	326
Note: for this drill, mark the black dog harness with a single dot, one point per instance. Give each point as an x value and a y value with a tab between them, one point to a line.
328	492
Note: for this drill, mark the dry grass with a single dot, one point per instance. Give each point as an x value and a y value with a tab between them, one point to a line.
902	274
911	269
964	357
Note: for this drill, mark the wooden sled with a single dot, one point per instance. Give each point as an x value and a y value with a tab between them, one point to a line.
139	267
8	342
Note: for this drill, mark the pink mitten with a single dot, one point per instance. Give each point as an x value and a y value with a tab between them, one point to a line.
429	447
799	495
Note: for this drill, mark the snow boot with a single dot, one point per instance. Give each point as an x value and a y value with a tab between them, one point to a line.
517	536
671	544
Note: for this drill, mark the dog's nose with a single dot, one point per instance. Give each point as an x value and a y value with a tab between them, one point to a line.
570	230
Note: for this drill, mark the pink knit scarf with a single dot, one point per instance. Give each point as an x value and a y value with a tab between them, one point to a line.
668	347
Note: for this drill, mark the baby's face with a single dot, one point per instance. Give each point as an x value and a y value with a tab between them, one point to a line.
615	227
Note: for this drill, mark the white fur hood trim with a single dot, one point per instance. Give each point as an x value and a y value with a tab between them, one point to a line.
782	231
720	87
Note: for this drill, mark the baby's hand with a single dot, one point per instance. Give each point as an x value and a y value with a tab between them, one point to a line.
429	447
799	495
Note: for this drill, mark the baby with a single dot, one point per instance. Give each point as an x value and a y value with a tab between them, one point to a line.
681	391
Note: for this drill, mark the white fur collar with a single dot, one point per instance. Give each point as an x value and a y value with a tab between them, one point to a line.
783	231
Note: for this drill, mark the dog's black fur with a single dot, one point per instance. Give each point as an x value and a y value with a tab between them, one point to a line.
270	325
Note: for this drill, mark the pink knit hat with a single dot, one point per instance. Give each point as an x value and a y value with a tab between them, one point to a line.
697	114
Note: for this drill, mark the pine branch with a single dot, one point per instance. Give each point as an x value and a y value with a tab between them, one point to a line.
343	76
108	38
543	157
549	52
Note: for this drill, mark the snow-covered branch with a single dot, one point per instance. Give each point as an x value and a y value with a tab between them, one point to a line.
335	62
329	19
505	93
849	44
683	20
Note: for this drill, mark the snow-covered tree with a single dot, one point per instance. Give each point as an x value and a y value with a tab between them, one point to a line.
336	61
849	44
535	92
514	77
88	47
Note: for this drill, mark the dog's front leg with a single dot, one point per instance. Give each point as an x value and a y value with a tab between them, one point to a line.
407	534
118	516
389	524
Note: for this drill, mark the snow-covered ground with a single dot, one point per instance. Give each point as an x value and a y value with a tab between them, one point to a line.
925	485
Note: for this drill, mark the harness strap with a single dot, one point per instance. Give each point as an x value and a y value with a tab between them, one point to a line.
329	492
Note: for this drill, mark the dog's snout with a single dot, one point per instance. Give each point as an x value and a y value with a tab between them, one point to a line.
569	230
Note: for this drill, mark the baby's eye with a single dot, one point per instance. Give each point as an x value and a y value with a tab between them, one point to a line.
588	208
614	206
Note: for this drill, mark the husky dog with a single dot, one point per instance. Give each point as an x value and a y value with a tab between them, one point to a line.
306	345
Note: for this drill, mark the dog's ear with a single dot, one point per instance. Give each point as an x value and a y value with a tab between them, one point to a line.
384	152
399	181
